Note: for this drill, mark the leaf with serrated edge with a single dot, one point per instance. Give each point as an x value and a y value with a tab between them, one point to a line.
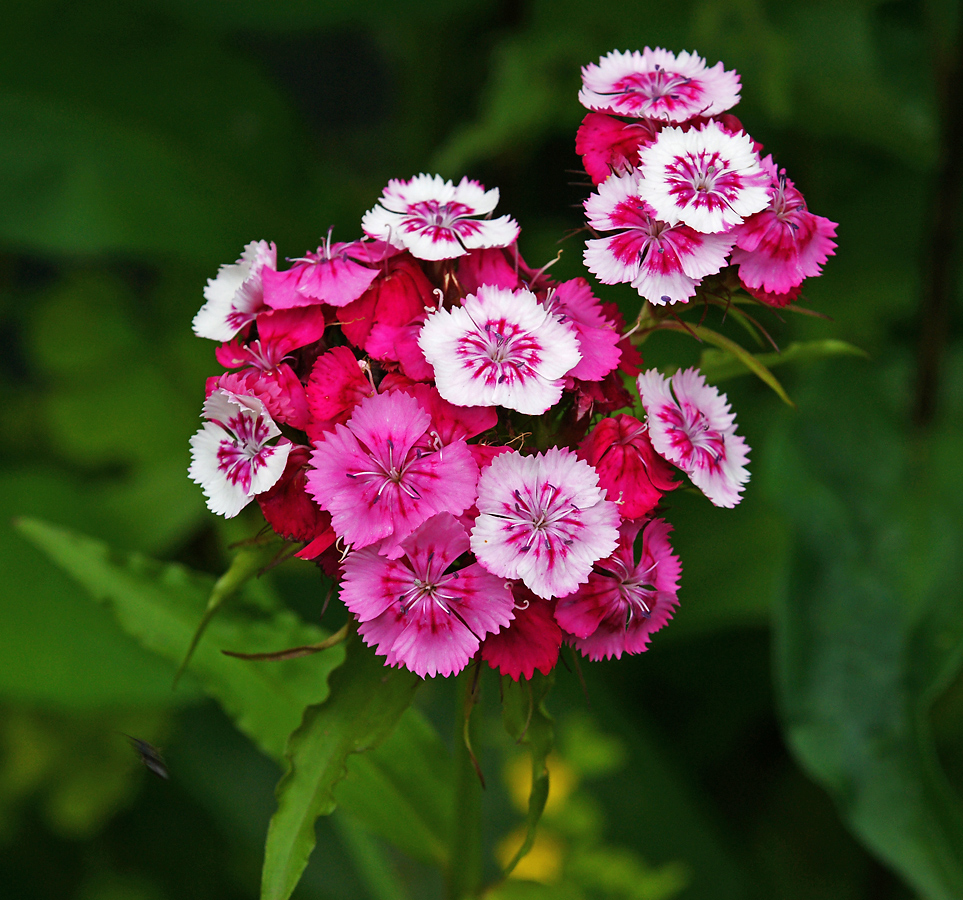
366	700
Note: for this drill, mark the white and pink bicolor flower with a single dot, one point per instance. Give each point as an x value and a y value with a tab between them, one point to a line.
696	431
657	84
664	263
231	458
708	178
418	611
499	348
435	219
543	519
236	296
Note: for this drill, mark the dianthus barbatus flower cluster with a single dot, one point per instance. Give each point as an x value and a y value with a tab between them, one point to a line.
682	187
469	446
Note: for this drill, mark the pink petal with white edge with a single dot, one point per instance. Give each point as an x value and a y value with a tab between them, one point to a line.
236	295
230	456
434	219
695	430
500	348
417	612
659	85
543	519
707	178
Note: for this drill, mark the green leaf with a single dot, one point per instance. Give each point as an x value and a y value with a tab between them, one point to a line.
870	628
528	722
402	790
367	698
751	362
160	605
717	365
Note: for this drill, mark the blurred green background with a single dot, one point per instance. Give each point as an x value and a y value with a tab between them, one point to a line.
796	732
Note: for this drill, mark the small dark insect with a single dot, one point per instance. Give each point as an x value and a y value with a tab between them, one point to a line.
150	756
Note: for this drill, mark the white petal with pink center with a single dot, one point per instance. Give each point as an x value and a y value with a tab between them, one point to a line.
500	348
707	178
543	519
696	431
657	84
230	456
663	262
236	295
435	219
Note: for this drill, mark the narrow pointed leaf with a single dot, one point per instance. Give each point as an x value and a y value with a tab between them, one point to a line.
367	698
721	364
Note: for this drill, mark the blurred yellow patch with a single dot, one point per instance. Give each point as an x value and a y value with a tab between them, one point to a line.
562	781
543	862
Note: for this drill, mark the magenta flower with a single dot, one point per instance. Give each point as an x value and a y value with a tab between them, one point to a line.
624	602
664	263
611	146
419	612
236	295
657	84
500	348
377	478
543	519
230	456
573	303
785	243
530	642
695	431
434	219
629	469
707	178
336	274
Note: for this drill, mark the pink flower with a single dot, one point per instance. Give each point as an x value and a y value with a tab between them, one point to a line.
573	304
610	146
500	348
236	295
695	431
664	263
434	219
707	178
629	469
658	84
785	243
419	612
336	386
334	275
530	642
376	478
543	519
624	602
230	456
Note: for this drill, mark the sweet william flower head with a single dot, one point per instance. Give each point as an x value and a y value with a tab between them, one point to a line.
417	610
543	519
435	219
657	84
236	296
500	348
231	458
707	178
691	426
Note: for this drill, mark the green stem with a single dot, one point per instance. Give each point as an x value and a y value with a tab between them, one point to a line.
465	859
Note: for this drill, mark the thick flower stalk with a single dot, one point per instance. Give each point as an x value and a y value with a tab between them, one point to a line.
468	446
